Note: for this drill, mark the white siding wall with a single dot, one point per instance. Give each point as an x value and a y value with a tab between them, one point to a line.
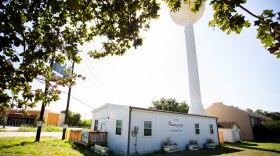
117	143
230	134
227	134
236	136
161	130
61	119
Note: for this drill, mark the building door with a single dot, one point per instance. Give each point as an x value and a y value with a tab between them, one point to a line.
221	137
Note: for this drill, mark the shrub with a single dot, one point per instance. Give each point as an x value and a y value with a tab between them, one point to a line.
193	142
45	128
86	123
209	140
26	128
51	128
168	142
267	131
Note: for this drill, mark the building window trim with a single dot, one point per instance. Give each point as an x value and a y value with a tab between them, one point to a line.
95	127
148	128
211	129
118	127
197	131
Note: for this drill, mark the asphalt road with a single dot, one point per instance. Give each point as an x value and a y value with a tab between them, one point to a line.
28	134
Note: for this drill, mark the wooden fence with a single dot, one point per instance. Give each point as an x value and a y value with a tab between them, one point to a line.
87	138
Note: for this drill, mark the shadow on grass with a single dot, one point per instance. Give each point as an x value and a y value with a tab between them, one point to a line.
86	151
252	146
216	151
242	144
19	144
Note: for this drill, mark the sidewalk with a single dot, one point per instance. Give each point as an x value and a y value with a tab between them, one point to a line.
13	128
30	134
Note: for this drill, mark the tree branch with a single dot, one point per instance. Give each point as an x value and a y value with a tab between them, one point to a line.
246	10
249	12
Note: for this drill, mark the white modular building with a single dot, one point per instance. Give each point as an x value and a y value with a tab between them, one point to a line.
133	130
229	131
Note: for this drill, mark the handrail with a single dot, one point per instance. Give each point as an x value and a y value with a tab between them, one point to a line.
87	137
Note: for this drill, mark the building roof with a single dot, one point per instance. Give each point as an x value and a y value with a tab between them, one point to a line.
110	105
226	124
249	113
146	109
172	112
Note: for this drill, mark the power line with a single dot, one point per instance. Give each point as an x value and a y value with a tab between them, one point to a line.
78	100
71	95
93	84
94	73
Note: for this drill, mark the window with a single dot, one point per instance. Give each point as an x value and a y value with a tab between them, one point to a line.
197	129
147	128
119	127
95	125
211	129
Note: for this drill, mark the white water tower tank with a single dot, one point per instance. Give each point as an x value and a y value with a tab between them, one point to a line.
185	17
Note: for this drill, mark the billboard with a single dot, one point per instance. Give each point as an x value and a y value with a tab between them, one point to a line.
59	69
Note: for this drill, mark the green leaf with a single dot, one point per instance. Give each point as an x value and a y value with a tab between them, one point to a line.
257	23
277	54
267	12
246	24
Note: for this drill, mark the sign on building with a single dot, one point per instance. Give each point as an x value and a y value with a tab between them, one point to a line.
175	126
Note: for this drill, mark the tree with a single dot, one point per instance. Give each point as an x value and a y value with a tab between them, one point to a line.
170	105
275	116
3	119
267	131
74	119
260	112
229	20
249	110
35	34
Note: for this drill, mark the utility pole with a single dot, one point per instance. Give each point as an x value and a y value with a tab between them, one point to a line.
40	122
67	108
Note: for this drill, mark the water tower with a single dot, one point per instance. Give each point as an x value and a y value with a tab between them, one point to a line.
186	18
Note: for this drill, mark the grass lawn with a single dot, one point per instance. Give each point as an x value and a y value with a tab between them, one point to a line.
19	146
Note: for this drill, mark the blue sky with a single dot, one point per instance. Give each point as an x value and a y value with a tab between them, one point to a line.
234	69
